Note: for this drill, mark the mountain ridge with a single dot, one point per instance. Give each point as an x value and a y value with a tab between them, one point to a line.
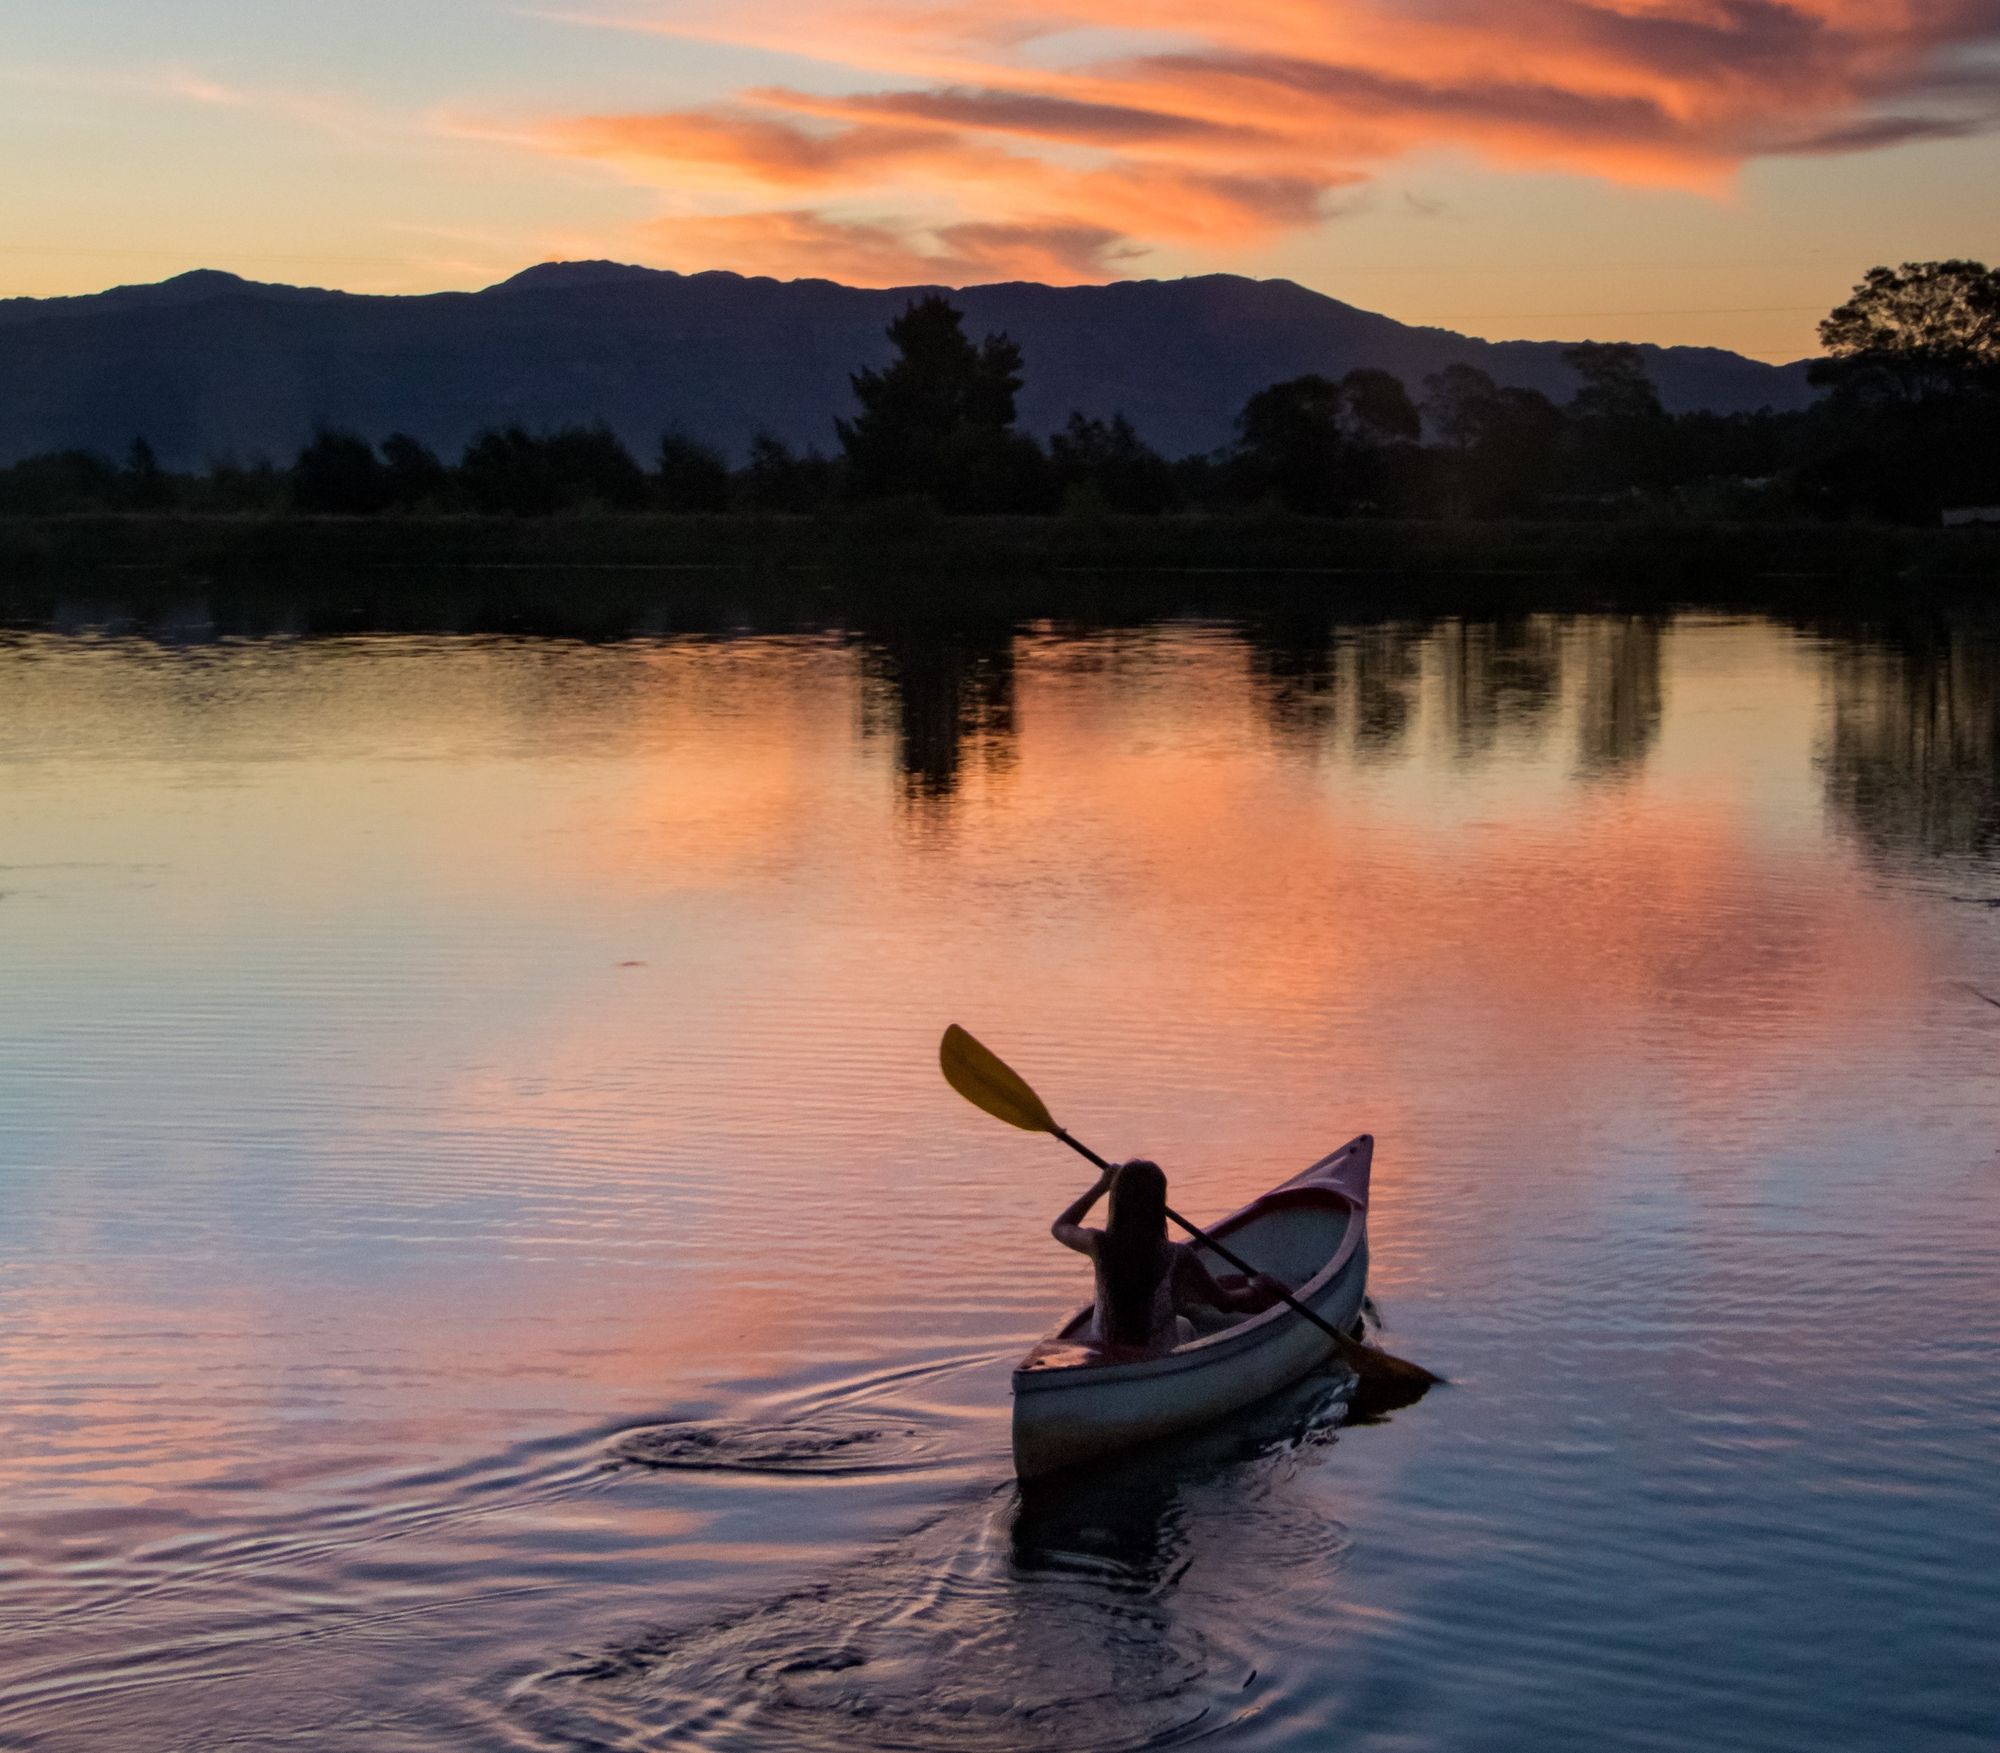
207	363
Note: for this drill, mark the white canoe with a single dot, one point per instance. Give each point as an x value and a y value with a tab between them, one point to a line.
1071	1404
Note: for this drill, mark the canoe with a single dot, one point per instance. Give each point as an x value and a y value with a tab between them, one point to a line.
1073	1404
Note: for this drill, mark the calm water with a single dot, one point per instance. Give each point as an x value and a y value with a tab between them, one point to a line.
486	1259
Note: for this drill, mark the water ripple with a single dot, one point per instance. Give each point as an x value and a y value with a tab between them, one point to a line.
1134	1609
827	1450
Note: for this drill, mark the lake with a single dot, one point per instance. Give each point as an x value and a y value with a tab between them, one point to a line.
487	1259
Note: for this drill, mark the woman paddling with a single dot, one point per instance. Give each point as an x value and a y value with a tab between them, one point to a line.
1147	1285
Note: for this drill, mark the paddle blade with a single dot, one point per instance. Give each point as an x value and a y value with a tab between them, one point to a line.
987	1081
1384	1384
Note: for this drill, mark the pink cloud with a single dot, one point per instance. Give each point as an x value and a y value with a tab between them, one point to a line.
1034	115
874	253
1222	126
1014	193
764	153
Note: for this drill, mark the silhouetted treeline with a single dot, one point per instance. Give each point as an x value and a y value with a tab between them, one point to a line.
1909	427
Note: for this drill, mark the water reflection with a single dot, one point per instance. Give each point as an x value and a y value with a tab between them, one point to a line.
1359	688
1912	749
533	1039
1138	1607
1495	677
1385	663
1623	697
1294	665
1325	681
945	693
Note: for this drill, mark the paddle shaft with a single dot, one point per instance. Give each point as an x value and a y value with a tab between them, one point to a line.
1345	1341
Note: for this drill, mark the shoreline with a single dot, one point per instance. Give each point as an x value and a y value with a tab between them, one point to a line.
644	572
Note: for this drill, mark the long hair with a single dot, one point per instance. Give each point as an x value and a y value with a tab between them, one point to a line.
1129	1256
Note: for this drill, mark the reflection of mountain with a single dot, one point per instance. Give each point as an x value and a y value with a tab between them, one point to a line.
945	693
1622	696
1912	752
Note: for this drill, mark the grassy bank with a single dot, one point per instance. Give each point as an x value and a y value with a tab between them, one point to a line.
637	570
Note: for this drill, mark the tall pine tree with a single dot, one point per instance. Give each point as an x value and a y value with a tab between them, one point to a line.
938	419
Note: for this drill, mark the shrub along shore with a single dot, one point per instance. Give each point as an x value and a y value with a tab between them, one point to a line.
906	550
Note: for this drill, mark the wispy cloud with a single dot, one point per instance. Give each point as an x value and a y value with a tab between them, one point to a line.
347	118
982	147
886	253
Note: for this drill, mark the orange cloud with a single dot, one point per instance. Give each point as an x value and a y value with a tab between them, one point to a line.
754	152
1036	115
984	146
865	253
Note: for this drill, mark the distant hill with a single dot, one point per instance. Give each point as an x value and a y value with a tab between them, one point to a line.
208	365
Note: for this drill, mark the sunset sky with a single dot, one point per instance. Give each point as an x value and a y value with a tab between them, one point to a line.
1706	171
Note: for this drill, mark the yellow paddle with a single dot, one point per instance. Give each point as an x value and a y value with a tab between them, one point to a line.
989	1082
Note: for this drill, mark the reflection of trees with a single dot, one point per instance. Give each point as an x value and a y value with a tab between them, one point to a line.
1912	754
1385	664
1292	667
945	693
1318	679
1363	685
1496	676
1622	696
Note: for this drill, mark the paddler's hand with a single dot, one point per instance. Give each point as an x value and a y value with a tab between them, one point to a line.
1267	1290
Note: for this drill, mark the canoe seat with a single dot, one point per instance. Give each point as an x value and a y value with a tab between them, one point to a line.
1206	1321
1289	1236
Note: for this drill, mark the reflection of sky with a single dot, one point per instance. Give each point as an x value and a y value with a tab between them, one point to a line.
413	1047
258	899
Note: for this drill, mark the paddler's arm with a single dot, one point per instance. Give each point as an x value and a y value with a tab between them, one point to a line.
1068	1229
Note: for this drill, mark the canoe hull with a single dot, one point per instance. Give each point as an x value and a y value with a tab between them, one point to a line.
1070	1407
